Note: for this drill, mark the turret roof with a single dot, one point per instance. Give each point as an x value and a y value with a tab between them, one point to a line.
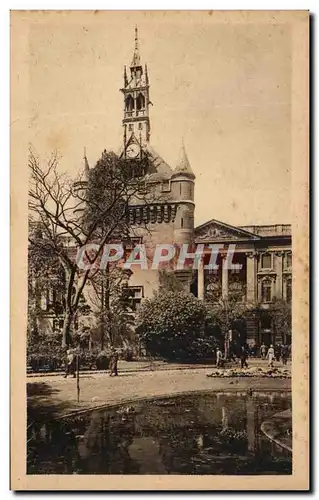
86	167
161	169
183	166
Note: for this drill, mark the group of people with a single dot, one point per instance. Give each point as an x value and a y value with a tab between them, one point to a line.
271	353
70	366
275	353
220	359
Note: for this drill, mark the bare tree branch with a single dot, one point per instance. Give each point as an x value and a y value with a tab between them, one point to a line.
72	214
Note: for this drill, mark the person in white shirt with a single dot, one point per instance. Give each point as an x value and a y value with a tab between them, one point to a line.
70	364
271	356
219	357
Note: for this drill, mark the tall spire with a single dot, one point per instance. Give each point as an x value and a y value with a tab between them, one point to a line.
136	61
136	92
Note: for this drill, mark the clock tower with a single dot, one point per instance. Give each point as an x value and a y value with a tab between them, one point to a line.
136	122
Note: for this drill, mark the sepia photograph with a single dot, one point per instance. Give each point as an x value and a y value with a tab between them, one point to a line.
159	212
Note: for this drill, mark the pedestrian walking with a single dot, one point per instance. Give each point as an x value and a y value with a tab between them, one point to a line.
219	357
113	362
277	350
263	351
70	363
271	355
243	357
232	354
284	354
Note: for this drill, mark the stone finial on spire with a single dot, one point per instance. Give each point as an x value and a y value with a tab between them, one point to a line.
146	75
136	61
183	166
125	77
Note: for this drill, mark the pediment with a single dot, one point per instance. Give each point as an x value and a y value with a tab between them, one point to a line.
215	230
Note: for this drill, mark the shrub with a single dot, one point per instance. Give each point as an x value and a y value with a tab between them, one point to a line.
45	362
88	360
103	360
45	354
127	354
172	325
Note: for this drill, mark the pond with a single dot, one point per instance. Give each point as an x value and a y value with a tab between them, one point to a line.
216	433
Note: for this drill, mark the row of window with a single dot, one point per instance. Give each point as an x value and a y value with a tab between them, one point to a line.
133	297
138	103
266	261
266	291
136	293
131	127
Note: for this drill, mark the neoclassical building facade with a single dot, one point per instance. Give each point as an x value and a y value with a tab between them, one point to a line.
265	257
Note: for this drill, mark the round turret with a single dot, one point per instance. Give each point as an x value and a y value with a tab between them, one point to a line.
182	182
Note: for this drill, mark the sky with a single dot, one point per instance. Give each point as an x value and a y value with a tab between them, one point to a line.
225	87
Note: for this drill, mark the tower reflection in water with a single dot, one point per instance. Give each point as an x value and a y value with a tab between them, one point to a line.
197	434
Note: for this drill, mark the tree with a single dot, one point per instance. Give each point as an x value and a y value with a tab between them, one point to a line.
72	215
168	282
172	325
111	295
45	273
280	313
227	313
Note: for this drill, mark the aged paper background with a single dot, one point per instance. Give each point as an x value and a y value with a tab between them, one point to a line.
298	22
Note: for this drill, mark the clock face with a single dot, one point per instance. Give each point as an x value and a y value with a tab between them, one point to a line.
132	151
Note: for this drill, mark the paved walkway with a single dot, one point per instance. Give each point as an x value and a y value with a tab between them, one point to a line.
148	365
54	396
137	366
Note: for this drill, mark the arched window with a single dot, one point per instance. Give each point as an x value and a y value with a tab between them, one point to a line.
140	102
129	103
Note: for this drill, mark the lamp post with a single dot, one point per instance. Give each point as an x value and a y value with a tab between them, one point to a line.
77	360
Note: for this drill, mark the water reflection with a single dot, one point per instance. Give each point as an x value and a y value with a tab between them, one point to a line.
197	434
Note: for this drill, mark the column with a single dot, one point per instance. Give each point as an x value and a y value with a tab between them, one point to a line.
278	268
224	277
250	277
200	281
251	296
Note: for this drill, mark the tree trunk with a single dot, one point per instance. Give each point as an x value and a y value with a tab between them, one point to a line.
107	302
102	337
66	337
102	315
